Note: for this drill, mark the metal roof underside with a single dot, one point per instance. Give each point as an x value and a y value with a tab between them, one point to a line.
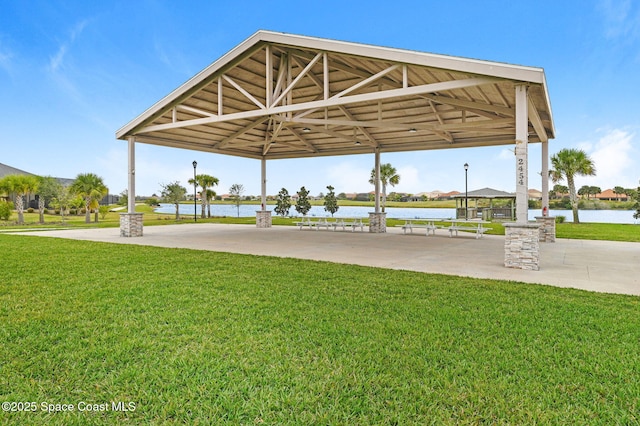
286	96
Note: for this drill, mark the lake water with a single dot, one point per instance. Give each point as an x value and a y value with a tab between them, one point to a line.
247	210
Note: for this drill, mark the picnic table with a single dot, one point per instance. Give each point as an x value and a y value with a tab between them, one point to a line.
476	226
343	223
421	223
349	222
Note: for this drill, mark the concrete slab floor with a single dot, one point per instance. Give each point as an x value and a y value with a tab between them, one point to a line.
602	266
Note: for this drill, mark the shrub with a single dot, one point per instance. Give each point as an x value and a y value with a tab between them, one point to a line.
6	208
560	219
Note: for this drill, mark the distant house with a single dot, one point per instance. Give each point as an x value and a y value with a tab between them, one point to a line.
447	195
534	194
5	170
609	195
32	199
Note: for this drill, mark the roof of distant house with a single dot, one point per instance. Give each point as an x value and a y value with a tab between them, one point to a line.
8	170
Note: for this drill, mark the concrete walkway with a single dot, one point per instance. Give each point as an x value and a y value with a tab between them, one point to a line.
602	266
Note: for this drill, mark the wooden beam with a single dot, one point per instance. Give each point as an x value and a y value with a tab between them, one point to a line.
535	120
243	91
297	79
344	100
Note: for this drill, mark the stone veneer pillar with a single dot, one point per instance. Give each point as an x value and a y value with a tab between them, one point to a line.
131	224
263	218
547	229
521	246
377	222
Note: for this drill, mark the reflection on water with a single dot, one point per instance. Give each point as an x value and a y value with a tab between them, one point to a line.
249	210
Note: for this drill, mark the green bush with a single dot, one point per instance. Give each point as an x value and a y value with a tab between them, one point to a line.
6	207
30	210
560	219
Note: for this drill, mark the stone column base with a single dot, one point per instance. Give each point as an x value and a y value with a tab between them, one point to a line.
131	224
521	246
263	218
378	222
547	228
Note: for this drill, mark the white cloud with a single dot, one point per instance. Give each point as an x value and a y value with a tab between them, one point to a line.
620	19
5	59
409	181
347	177
615	159
57	60
506	154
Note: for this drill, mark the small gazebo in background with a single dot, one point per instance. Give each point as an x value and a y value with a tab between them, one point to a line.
487	204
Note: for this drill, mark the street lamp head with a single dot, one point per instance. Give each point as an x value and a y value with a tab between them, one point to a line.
195	163
466	166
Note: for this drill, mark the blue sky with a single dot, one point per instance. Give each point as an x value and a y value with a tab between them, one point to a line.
73	72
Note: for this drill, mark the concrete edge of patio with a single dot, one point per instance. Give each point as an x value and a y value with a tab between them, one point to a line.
602	266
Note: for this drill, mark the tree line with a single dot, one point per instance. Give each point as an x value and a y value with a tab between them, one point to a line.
86	190
303	204
174	193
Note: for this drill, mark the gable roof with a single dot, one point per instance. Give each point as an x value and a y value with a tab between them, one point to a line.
280	95
487	193
8	170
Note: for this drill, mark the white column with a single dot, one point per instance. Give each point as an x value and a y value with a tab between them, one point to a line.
522	167
131	189
377	184
263	183
545	178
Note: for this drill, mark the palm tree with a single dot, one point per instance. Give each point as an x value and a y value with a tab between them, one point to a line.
205	182
568	163
20	185
91	188
388	176
211	195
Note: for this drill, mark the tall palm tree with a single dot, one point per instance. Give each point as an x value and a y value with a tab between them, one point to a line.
388	176
568	163
20	185
205	182
91	188
211	194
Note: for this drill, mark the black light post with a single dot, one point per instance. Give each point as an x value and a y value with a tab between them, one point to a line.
466	193
195	186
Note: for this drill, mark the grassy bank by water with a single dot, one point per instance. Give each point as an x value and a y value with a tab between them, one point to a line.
588	231
194	337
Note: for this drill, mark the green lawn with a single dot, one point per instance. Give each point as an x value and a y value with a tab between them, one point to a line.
195	337
587	231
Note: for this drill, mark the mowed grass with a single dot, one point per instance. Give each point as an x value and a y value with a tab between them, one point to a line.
195	337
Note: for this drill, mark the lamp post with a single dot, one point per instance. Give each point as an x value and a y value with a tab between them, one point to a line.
466	193
195	186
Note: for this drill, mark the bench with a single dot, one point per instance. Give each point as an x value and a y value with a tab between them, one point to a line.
479	230
427	226
348	223
322	223
305	222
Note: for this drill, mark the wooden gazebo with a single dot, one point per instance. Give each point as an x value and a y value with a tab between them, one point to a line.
486	203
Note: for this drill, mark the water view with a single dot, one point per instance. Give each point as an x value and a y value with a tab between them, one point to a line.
246	210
